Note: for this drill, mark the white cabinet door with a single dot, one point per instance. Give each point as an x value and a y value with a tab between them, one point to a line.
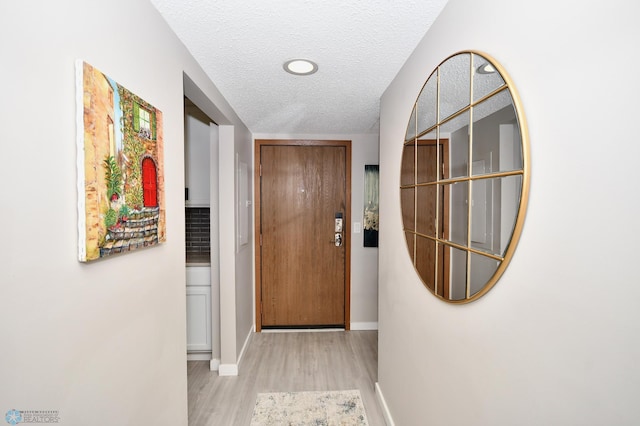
197	161
198	318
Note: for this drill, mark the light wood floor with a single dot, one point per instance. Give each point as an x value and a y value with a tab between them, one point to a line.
281	362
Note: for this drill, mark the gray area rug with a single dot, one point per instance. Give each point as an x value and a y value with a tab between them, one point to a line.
334	408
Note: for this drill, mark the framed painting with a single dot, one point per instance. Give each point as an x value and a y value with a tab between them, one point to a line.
371	190
120	168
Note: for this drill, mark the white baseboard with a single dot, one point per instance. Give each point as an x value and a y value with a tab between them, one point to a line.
246	343
228	370
232	369
383	405
214	364
364	326
300	330
203	356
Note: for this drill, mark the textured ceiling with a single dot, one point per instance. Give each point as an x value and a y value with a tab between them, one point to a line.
358	45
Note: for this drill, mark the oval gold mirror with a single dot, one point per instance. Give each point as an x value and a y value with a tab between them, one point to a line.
464	177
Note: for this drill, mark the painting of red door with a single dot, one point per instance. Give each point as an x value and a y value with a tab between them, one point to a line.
149	183
121	168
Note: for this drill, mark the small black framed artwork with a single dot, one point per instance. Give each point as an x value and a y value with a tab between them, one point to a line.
371	191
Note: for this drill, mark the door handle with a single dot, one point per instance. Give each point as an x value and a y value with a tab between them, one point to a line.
337	240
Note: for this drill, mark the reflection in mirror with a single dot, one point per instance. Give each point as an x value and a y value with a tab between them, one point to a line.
483	212
407	196
430	158
426	204
411	128
493	213
486	78
426	105
464	177
411	238
458	212
457	133
455	85
458	266
496	133
408	176
483	269
407	192
425	262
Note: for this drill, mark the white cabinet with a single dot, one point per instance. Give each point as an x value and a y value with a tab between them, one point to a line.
198	318
203	314
199	309
197	160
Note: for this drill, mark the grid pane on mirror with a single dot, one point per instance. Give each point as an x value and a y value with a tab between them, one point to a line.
429	160
427	104
464	177
426	211
411	238
493	213
411	128
458	214
486	77
407	170
425	261
482	269
455	85
496	135
484	214
455	134
458	275
408	204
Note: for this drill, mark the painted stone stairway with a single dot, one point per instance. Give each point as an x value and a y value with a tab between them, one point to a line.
140	230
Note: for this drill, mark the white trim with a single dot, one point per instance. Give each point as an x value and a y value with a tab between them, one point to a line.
364	326
232	369
214	364
198	356
228	370
383	405
246	343
300	330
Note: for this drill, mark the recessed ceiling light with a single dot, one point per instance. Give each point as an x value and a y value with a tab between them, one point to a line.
486	69
300	67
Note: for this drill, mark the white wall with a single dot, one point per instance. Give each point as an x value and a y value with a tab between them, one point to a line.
364	260
245	315
551	345
103	343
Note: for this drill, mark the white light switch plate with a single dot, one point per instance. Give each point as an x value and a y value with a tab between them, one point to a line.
357	227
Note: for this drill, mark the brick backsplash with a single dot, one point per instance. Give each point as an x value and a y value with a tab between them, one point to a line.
197	229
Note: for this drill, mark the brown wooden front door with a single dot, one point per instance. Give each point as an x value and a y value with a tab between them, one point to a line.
302	278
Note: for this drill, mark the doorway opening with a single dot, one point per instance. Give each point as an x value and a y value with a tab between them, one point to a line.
201	235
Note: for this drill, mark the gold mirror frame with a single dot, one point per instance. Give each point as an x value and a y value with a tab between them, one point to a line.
453	242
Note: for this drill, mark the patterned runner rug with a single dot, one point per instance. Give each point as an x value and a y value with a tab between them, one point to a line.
334	408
